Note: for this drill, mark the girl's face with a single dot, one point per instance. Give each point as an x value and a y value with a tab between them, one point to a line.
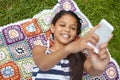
65	29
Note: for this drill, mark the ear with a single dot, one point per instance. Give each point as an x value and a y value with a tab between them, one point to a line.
52	28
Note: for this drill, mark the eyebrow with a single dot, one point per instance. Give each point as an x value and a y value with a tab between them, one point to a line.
65	22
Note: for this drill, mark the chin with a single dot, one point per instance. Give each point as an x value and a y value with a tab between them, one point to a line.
66	42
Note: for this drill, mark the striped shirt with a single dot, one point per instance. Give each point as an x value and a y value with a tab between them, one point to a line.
59	72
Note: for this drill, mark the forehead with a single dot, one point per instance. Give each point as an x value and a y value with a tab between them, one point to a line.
68	18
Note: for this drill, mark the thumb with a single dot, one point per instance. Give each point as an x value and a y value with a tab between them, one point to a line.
91	51
94	28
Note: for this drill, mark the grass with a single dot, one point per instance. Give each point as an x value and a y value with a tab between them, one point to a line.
15	10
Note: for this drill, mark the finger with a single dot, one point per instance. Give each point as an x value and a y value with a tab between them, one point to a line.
92	41
92	38
103	46
102	52
94	28
91	51
89	48
110	37
103	56
95	38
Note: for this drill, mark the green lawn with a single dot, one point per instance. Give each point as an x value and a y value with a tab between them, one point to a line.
15	10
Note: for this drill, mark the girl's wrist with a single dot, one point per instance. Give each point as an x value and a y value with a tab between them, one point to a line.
67	50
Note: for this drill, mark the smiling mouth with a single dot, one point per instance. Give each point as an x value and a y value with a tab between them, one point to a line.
65	36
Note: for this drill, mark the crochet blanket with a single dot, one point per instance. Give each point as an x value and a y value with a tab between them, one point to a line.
17	39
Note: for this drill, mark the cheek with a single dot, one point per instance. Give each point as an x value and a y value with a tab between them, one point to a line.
74	33
59	29
55	30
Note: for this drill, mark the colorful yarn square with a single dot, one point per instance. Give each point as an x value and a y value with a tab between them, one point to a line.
111	72
37	40
13	34
19	50
44	19
57	8
31	28
4	55
1	39
9	71
67	5
25	66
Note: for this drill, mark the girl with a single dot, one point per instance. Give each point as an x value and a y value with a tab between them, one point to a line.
64	60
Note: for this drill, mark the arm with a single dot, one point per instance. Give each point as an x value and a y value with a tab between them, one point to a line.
88	67
96	64
47	61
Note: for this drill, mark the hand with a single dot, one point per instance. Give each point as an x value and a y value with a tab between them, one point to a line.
81	44
100	61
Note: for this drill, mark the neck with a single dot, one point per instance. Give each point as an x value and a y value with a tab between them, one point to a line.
57	46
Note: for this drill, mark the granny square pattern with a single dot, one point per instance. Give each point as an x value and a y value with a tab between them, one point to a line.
4	55
13	34
9	71
17	40
1	39
111	72
31	28
44	19
26	66
19	50
37	40
67	5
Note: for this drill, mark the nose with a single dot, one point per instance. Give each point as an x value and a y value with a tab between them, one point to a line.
67	28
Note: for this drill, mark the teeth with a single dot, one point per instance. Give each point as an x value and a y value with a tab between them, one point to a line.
65	36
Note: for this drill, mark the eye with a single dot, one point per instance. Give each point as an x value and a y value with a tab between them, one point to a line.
62	25
73	28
